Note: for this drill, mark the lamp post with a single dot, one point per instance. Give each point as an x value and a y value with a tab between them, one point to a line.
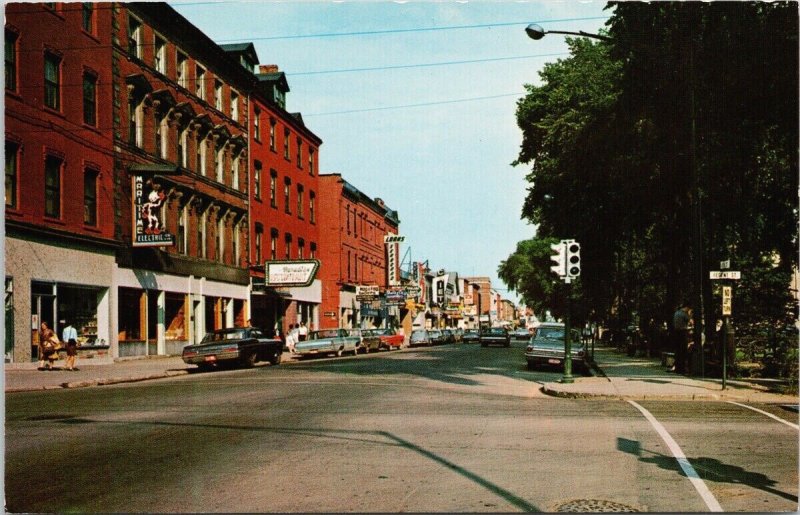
536	32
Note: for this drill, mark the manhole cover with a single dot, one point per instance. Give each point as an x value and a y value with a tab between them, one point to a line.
593	506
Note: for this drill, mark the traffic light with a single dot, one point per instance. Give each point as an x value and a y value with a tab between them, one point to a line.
573	258
560	268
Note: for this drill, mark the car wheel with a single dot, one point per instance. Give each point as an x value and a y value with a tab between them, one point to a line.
276	359
530	365
204	367
249	359
508	344
339	353
484	344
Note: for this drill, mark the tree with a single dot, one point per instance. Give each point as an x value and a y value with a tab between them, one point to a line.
678	134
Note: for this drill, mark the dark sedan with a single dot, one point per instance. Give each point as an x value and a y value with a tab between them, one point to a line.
470	336
495	336
242	346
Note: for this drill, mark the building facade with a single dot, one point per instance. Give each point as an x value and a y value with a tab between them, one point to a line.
60	242
130	185
180	176
284	189
355	254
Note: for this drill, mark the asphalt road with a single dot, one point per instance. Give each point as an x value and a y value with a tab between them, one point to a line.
457	428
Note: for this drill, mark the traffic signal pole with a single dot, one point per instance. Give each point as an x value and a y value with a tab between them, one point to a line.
567	378
568	267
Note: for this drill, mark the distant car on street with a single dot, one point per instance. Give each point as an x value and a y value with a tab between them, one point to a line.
470	336
521	334
419	337
547	348
494	336
242	346
449	336
437	337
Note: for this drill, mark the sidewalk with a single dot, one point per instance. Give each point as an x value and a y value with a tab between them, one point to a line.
618	376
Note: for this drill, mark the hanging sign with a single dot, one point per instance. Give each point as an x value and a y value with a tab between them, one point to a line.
148	224
291	273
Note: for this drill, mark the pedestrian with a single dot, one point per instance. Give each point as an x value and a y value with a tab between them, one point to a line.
290	338
680	336
70	338
295	335
303	332
48	347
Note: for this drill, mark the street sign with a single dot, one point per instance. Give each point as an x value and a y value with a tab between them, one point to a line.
728	274
727	300
724	265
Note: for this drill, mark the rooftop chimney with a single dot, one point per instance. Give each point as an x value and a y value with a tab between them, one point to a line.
268	68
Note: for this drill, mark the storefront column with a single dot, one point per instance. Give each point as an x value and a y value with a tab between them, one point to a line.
161	332
104	317
229	313
199	315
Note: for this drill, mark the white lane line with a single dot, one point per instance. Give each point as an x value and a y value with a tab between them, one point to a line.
690	472
770	415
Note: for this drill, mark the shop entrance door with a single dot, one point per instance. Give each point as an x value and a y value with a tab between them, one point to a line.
43	309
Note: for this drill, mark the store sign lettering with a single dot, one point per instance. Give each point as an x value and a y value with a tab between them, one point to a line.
291	273
148	227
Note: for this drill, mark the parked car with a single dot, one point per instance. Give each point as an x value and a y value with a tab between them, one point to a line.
238	345
389	338
494	335
521	334
328	341
419	337
547	348
437	337
449	336
470	336
357	333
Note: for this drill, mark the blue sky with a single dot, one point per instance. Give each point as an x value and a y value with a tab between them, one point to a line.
435	141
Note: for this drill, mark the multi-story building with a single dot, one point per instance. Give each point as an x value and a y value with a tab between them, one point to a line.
354	254
60	232
284	189
129	184
180	175
480	290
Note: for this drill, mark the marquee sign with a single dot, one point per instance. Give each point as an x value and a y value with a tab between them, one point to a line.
148	224
291	273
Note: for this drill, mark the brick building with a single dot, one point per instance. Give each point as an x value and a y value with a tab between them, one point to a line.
353	254
60	243
283	201
129	178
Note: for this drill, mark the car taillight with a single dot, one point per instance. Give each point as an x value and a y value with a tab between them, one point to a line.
529	348
189	354
230	349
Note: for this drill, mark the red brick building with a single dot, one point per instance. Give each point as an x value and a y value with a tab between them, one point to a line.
353	253
59	190
181	130
284	188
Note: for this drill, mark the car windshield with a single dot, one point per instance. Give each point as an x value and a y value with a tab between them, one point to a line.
381	332
418	334
496	330
216	336
551	333
327	333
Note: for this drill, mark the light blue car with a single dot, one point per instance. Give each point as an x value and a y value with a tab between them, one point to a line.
328	341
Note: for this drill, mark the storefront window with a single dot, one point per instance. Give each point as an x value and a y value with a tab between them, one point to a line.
130	314
175	316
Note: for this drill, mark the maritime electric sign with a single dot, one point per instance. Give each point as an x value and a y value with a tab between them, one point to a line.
291	273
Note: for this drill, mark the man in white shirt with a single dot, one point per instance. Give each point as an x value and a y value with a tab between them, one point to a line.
70	338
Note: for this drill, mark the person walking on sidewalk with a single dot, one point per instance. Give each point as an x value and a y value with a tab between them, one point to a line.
302	332
70	338
48	347
680	336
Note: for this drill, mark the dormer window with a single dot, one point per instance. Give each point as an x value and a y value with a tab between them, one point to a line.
280	97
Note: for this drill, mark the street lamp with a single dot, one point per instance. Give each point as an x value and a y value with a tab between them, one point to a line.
535	31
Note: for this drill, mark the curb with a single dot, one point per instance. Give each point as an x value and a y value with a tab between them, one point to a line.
100	382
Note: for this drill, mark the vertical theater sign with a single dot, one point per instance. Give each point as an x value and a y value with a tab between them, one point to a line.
149	227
